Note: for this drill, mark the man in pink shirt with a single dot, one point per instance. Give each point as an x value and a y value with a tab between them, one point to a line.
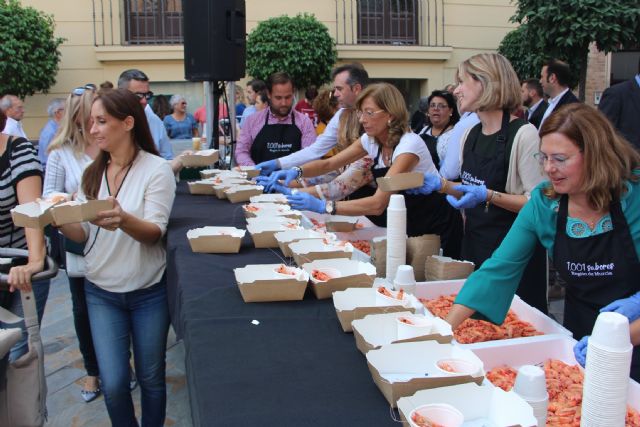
275	131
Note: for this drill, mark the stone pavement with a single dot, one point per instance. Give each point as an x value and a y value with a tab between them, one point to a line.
65	373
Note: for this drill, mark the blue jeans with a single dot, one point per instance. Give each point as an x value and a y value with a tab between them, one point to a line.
12	302
117	319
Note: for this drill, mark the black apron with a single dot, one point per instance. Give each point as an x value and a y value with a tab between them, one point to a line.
432	145
277	140
484	228
598	270
429	214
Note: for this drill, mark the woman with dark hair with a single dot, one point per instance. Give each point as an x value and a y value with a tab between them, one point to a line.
126	259
442	116
587	215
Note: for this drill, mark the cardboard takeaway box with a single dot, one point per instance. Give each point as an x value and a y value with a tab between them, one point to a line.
261	283
285	238
36	214
517	353
212	240
401	181
200	158
202	187
210	173
242	193
270	210
446	268
400	370
542	323
341	223
351	274
270	198
481	405
376	330
221	185
73	212
250	171
221	173
310	250
355	303
263	233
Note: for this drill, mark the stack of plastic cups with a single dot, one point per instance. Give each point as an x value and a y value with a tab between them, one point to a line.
396	235
604	398
531	385
405	279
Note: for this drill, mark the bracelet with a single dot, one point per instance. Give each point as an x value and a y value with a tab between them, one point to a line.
494	193
319	191
298	172
444	183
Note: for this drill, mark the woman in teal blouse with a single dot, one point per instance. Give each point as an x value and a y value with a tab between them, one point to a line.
587	216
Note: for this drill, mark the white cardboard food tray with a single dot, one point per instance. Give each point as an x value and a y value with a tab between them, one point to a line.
355	303
341	223
202	187
36	214
74	212
400	370
377	330
260	283
481	405
525	312
250	171
242	193
284	238
270	198
200	158
211	240
263	233
310	250
354	274
515	353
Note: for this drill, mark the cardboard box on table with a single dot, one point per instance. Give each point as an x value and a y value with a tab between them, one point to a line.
242	193
260	283
402	369
446	268
263	233
481	405
210	240
250	171
305	251
355	303
270	198
341	223
353	274
377	330
209	173
516	353
222	185
200	158
401	181
221	173
203	187
285	238
544	324
270	210
74	212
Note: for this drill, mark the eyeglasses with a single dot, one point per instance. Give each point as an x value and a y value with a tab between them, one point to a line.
438	106
145	95
80	90
369	114
557	160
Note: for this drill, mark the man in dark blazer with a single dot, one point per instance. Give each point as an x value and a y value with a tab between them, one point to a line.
531	92
621	103
555	77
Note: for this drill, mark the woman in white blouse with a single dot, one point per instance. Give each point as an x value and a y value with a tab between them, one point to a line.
70	151
126	259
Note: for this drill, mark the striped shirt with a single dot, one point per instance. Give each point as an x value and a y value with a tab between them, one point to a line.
19	161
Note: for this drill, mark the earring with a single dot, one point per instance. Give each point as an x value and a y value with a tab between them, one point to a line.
389	123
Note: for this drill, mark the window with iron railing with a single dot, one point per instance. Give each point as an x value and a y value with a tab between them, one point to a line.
153	22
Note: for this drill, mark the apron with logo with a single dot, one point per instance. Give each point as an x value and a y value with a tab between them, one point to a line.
276	140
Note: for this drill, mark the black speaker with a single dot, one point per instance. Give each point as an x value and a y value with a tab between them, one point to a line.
214	39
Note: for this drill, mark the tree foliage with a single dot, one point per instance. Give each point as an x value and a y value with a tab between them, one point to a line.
564	29
301	46
516	47
29	54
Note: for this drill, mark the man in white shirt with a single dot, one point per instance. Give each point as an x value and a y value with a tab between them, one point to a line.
137	82
14	110
531	93
348	81
555	77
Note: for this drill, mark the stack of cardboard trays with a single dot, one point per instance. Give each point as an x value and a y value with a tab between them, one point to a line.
445	268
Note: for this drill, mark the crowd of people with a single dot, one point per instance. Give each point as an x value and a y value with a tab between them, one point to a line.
516	174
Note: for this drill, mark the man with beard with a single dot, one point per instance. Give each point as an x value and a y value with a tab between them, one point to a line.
275	131
531	92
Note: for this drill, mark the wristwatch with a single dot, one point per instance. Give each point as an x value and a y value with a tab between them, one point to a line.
330	207
298	172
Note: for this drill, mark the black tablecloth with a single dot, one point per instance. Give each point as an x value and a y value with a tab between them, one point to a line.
295	368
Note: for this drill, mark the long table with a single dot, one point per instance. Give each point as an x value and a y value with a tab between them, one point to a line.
294	368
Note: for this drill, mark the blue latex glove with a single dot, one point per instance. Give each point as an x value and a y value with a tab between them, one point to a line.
472	197
629	307
268	167
580	351
262	180
306	202
279	188
287	175
432	182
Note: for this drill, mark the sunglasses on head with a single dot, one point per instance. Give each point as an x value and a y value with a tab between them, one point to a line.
80	90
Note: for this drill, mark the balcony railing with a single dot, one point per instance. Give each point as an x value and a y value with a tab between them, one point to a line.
390	22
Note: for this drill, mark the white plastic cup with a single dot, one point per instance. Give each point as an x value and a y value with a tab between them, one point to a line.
531	384
438	413
453	366
611	332
404	275
196	143
397	202
418	327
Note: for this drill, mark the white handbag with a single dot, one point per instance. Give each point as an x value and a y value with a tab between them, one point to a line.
76	265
